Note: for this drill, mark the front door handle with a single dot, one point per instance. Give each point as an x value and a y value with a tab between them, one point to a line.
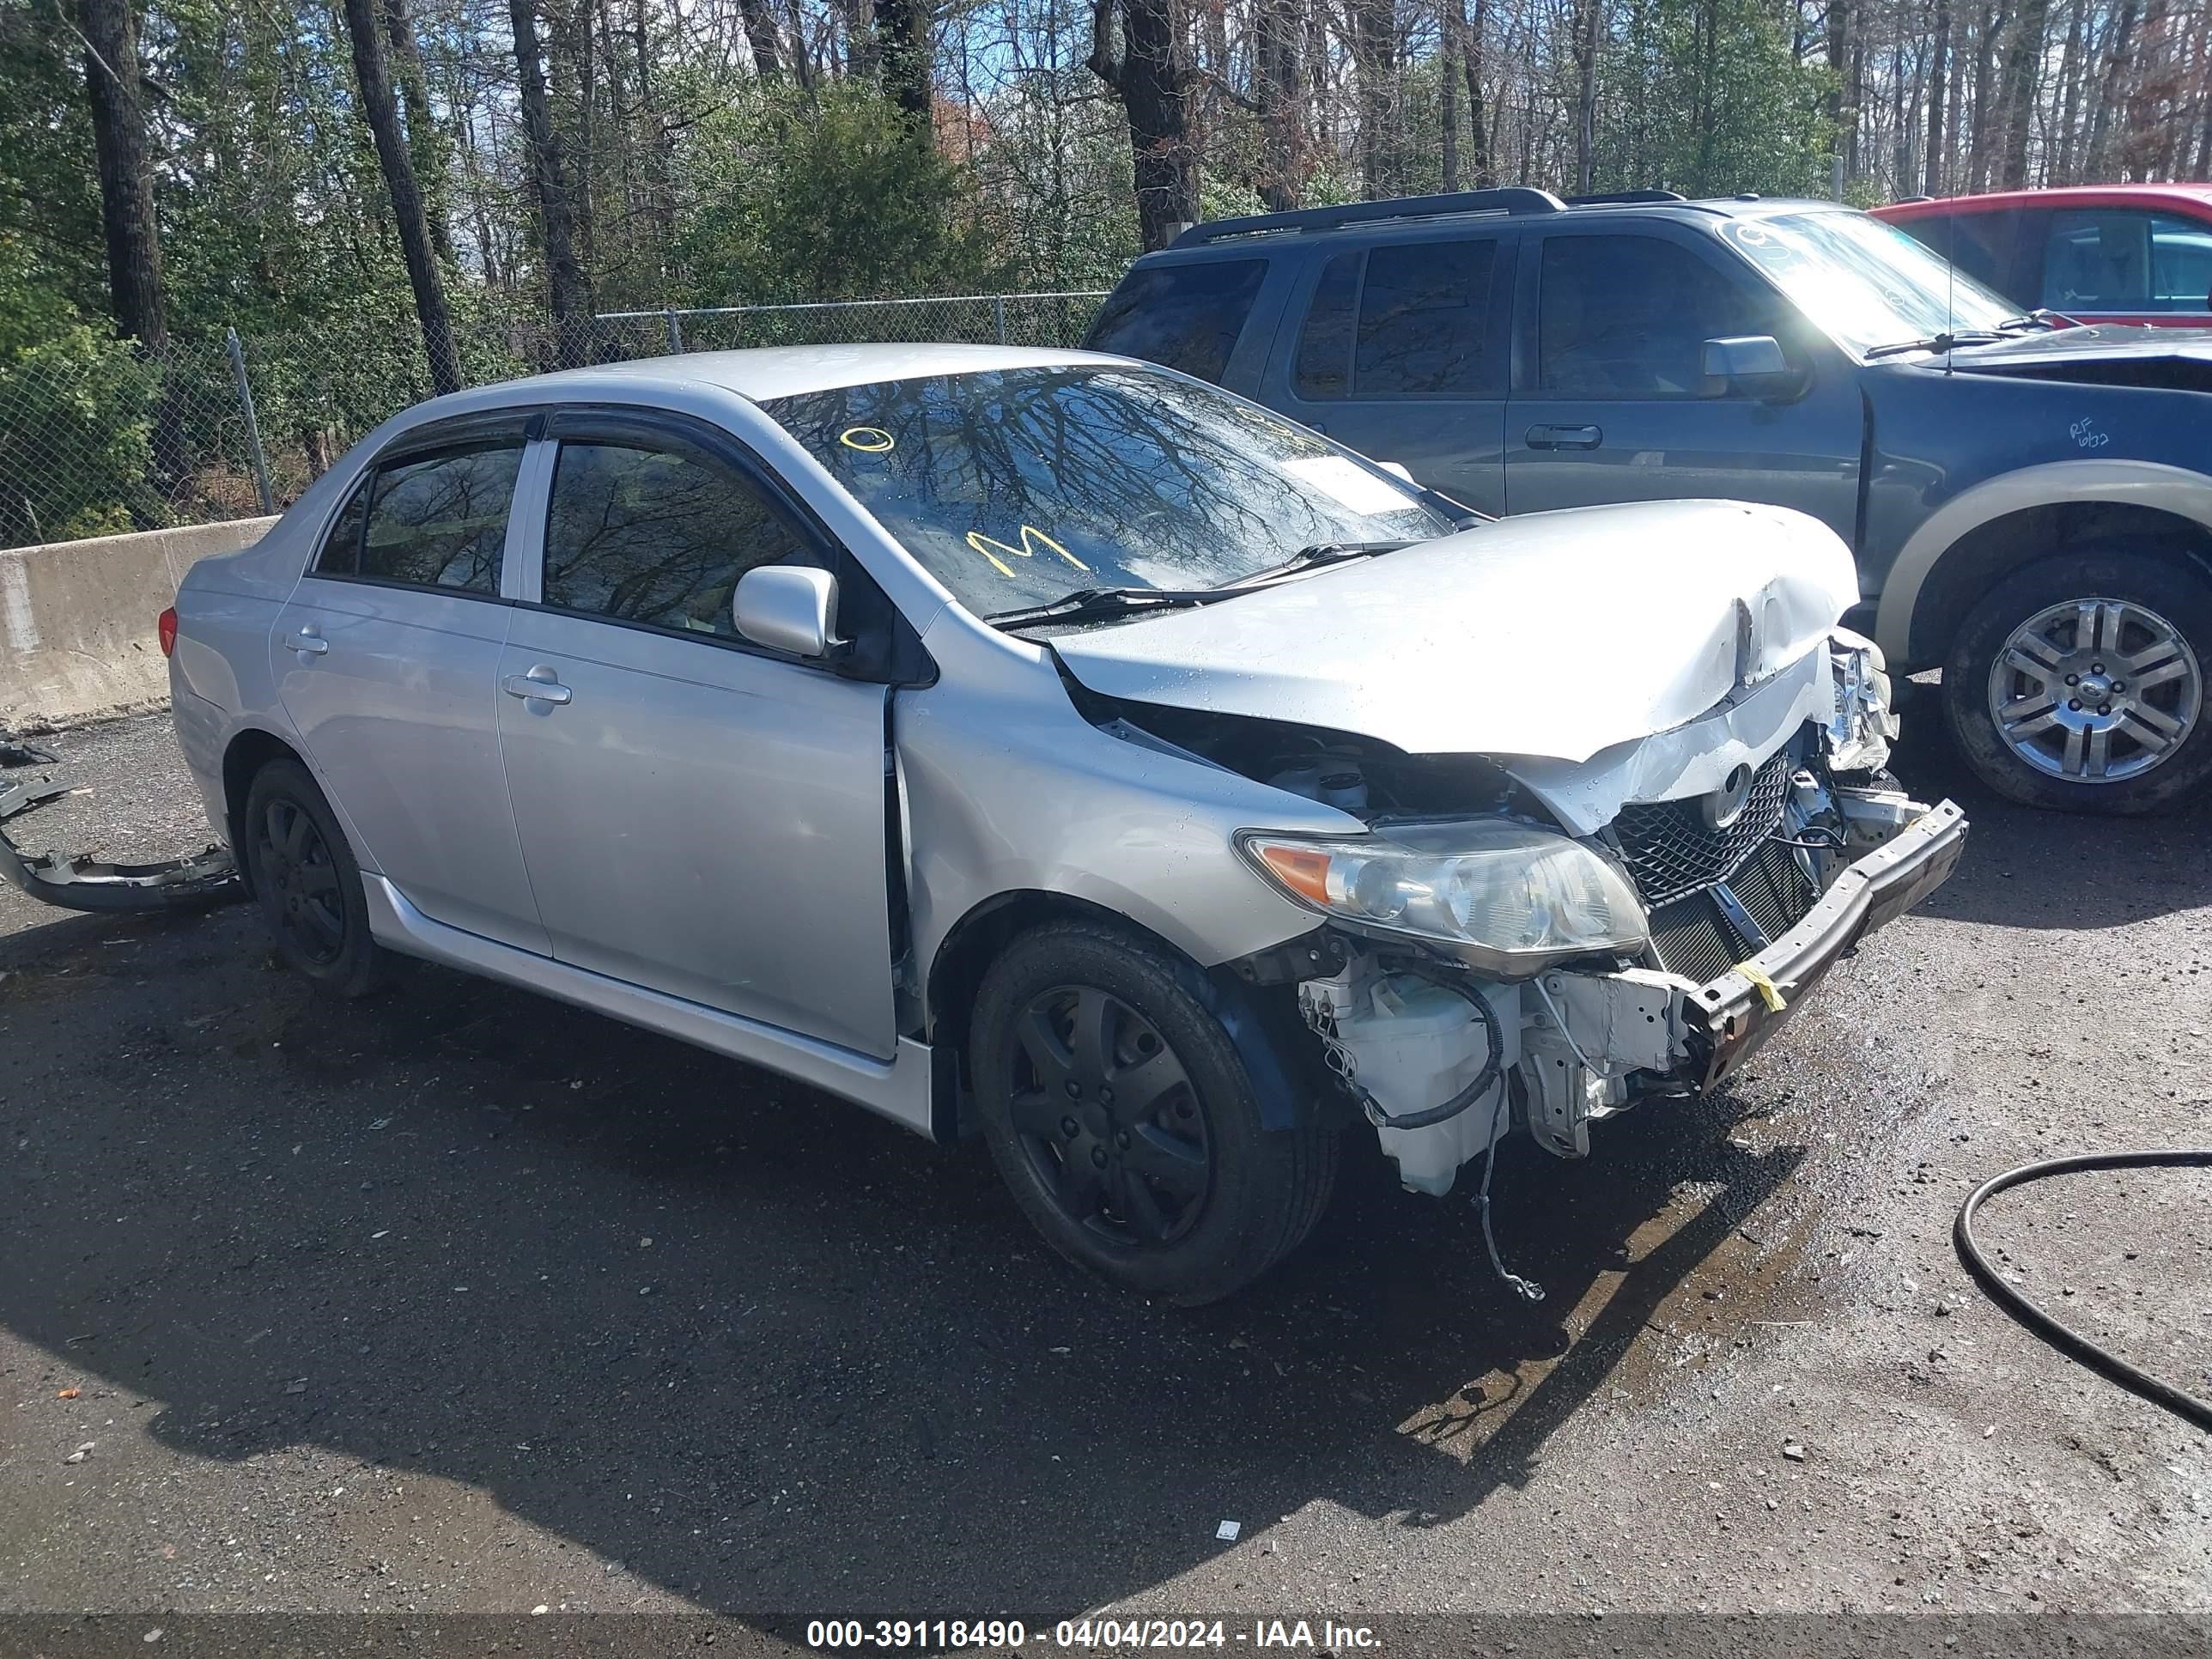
540	684
308	642
1564	437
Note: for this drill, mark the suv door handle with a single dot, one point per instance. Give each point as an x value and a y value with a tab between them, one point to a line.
1564	437
538	685
308	642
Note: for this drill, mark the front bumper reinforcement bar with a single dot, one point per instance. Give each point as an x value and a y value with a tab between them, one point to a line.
1738	1011
28	782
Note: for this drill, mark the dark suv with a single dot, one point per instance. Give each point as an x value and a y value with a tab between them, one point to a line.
2030	507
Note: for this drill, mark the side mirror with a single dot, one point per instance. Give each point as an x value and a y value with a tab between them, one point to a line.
1751	363
787	607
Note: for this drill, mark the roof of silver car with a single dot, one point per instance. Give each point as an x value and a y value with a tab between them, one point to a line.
767	372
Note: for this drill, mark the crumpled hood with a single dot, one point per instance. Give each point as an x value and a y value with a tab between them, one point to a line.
1554	634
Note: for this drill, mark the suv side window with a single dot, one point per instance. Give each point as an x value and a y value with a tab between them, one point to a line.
1414	322
2123	259
1186	316
435	519
658	532
1628	317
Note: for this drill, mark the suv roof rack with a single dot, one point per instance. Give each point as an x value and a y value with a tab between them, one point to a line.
1513	198
1624	198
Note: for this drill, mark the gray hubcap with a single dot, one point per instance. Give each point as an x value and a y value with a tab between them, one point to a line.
2095	690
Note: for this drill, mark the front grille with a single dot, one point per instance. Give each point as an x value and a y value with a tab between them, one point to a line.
1671	852
1692	935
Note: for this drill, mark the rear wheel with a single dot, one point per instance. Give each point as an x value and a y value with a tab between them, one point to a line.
309	885
1117	1110
2079	684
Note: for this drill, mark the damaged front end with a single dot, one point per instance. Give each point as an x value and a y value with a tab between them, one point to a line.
31	778
1495	970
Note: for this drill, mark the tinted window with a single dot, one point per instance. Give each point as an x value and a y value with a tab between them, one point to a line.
441	521
1628	317
1324	361
1020	485
1188	317
1985	246
2122	260
1424	311
341	551
657	535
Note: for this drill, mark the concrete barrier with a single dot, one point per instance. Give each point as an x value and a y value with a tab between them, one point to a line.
76	621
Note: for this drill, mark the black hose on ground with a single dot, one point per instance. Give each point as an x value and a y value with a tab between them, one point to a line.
2105	1363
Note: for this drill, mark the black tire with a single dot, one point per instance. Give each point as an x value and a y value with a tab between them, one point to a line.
308	884
1187	1237
2154	578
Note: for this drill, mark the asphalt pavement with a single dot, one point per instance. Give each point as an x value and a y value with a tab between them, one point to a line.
460	1301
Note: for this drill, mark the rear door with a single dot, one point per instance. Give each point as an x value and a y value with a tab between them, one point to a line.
386	659
1397	348
1610	400
699	815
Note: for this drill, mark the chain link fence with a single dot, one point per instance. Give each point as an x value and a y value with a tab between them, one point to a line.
97	437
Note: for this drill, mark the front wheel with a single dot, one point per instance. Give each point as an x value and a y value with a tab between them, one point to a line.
1122	1118
2078	684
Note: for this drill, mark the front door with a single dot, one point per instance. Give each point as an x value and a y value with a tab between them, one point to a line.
386	659
1611	403
1399	353
698	815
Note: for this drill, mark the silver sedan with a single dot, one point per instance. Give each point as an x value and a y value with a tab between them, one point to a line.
1048	746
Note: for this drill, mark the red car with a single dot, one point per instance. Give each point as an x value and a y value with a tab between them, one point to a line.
2098	254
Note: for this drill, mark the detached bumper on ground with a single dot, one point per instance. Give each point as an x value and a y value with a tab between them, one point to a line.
31	779
1743	1008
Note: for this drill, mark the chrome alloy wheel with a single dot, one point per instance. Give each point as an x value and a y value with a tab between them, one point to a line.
2095	690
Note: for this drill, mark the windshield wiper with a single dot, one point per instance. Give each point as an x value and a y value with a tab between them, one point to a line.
1087	603
1313	558
1935	342
2041	317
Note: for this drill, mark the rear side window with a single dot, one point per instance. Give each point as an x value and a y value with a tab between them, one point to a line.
1985	246
659	535
341	550
1414	323
1186	316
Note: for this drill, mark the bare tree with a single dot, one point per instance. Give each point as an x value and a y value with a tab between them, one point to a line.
1151	74
568	298
112	82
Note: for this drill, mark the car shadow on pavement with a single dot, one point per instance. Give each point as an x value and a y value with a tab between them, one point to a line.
755	1347
2027	868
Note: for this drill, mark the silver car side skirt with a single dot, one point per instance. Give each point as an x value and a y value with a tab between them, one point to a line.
898	1089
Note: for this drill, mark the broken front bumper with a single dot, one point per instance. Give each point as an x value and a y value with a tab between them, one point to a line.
1738	1011
31	779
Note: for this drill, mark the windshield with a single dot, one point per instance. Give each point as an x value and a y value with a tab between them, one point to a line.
1014	487
1866	283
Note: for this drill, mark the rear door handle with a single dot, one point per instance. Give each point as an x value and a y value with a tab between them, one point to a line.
308	642
1564	437
538	685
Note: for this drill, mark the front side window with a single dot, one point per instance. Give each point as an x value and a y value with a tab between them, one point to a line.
1628	317
655	533
438	521
1985	246
1016	487
2119	259
1186	316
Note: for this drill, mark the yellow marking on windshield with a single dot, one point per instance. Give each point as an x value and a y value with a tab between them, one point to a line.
1030	534
868	440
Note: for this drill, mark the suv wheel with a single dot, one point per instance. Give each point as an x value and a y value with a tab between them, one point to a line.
2079	684
1117	1110
309	885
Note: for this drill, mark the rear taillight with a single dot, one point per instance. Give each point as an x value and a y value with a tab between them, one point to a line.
165	628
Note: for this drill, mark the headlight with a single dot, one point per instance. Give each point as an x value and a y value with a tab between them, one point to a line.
1505	898
1862	724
